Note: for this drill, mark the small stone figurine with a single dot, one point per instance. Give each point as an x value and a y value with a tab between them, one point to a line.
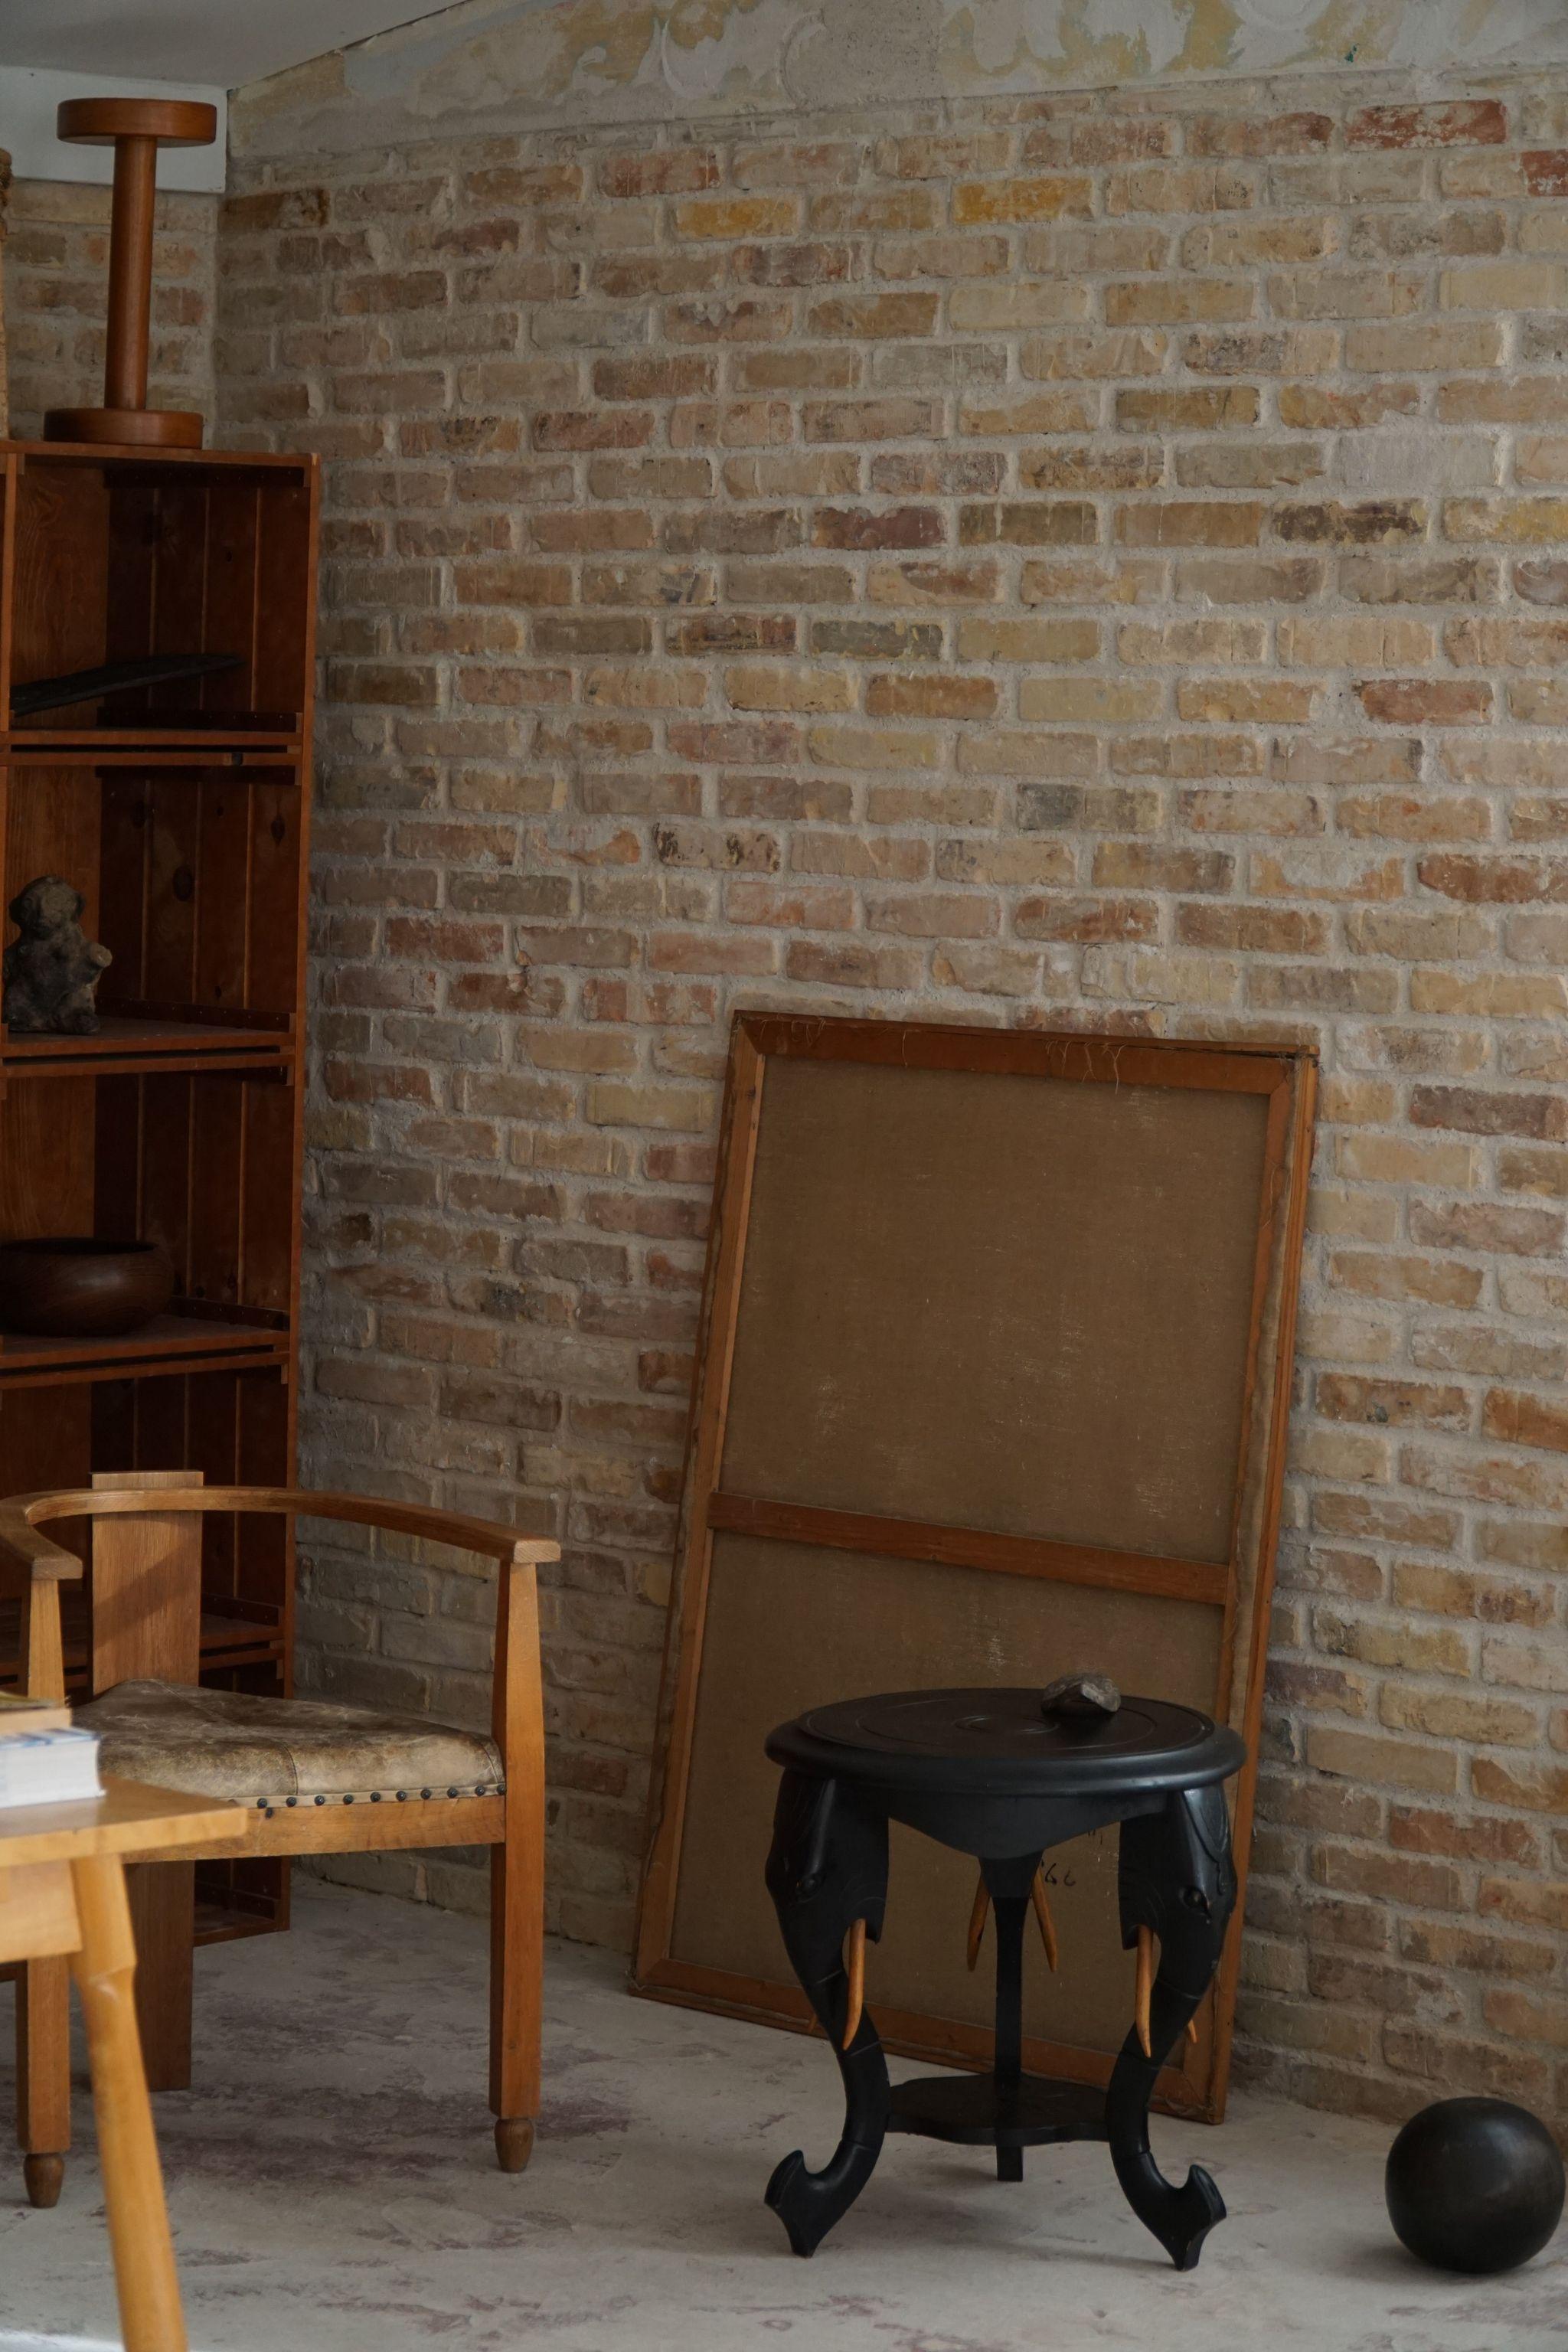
52	971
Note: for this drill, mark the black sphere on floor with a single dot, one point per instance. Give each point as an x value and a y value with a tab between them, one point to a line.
1474	2185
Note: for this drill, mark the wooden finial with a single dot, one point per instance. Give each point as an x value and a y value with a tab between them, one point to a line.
856	1981
977	1922
135	127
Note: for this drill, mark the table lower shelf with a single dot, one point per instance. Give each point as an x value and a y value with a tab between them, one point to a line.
976	2111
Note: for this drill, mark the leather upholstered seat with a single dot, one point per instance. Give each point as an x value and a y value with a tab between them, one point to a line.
282	1751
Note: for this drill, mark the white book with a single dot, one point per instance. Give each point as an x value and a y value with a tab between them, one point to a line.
49	1768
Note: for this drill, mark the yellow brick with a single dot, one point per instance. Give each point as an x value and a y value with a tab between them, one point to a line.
776	686
866	747
1094	701
975	202
737	217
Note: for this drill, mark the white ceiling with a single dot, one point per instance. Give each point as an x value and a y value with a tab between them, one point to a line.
226	42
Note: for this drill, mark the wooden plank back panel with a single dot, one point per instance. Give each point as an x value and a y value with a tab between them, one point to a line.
285	622
232	525
61	576
266	1242
223	895
993	1385
47	1131
52	827
276	811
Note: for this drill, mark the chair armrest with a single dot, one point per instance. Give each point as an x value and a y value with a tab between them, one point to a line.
20	1516
21	1544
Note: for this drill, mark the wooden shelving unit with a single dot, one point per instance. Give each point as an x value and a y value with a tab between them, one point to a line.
179	805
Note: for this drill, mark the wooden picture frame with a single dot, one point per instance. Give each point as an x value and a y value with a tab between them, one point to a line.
990	1319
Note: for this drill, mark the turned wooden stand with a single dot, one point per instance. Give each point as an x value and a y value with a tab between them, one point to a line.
135	127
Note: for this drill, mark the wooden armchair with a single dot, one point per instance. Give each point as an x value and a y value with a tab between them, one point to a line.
318	1777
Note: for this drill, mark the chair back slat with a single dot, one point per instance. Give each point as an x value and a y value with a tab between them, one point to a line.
146	1587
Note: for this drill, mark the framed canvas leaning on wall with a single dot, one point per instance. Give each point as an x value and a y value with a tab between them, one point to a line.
993	1385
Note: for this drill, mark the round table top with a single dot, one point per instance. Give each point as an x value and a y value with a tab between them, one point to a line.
997	1740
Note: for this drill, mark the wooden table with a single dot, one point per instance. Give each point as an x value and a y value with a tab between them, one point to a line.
62	1894
990	1773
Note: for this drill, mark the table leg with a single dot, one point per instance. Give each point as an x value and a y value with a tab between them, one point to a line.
828	1867
105	1970
1176	1877
1012	1913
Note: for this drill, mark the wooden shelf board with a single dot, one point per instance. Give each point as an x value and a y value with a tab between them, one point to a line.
169	1342
235	758
127	1045
141	463
226	730
226	1642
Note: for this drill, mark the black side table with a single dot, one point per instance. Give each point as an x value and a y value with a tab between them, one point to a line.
983	1771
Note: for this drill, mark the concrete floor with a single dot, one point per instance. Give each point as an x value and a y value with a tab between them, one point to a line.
333	2191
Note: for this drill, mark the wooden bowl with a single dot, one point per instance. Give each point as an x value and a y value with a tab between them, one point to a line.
70	1288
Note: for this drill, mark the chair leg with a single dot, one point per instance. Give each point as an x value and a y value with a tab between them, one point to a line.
517	1966
163	1896
43	2077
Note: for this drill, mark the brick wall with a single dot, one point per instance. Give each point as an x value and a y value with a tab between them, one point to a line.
56	262
1085	562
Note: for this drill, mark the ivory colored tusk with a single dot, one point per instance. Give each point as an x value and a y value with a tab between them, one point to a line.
1043	1915
977	1922
856	1981
1145	1985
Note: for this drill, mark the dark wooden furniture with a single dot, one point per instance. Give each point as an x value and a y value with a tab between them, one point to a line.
316	1778
135	127
179	805
992	1379
985	1772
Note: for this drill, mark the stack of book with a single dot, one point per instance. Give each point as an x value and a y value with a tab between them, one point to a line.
43	1759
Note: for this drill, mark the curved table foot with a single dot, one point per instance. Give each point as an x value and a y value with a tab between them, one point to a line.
1177	1878
809	2203
827	1868
1180	2218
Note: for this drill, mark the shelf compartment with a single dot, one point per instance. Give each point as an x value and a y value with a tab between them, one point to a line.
131	561
191	874
194	1160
